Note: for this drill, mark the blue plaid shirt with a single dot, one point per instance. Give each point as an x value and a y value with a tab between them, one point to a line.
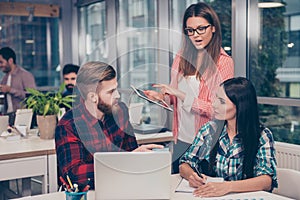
229	158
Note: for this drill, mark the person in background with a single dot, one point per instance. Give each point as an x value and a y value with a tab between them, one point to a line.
14	82
69	75
234	146
99	123
199	67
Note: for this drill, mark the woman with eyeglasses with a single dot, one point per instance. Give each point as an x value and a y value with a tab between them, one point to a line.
197	70
234	146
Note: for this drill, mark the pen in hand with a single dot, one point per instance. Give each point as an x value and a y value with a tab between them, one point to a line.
198	173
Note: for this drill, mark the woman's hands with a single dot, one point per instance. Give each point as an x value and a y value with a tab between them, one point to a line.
212	189
203	189
196	181
164	90
153	95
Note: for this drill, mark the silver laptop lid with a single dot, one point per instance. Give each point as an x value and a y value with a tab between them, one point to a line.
132	175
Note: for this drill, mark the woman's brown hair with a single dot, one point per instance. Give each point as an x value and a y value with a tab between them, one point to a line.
188	61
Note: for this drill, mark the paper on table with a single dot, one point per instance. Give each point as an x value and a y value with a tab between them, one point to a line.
184	186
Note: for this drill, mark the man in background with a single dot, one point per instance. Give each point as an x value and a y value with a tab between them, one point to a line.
15	81
69	75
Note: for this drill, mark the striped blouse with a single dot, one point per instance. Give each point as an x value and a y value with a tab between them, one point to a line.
201	106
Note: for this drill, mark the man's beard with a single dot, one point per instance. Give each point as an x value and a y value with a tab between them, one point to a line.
70	87
7	69
105	108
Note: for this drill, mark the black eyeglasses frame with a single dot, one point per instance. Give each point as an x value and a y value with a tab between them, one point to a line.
202	30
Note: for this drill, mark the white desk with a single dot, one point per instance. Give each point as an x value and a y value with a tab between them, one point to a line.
29	157
174	196
154	137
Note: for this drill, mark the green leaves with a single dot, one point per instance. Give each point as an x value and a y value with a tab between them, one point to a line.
47	103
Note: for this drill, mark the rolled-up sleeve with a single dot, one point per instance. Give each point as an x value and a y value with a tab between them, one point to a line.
265	157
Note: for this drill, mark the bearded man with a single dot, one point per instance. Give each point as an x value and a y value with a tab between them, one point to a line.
99	123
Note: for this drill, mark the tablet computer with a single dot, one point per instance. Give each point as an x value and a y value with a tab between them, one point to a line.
141	94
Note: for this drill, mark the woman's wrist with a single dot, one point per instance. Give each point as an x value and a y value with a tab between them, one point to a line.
229	186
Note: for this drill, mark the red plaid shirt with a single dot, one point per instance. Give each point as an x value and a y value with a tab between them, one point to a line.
79	135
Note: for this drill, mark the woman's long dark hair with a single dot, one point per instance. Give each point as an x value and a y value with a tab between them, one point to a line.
242	94
187	64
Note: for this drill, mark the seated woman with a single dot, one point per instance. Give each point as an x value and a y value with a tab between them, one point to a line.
233	146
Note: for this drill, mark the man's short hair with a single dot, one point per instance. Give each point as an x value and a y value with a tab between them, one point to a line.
91	74
8	53
69	68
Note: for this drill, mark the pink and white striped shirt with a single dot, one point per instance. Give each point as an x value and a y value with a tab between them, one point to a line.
202	106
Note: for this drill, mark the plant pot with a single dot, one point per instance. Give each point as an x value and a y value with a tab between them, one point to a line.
46	125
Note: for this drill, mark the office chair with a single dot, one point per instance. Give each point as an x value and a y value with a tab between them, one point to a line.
288	183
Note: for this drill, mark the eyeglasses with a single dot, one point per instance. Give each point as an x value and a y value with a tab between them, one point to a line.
200	30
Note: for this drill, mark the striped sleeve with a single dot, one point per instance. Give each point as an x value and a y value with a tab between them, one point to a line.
209	84
191	156
265	157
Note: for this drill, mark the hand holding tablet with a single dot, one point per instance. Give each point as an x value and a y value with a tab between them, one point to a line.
161	103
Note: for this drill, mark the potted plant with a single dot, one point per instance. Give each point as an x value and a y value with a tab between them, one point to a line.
46	106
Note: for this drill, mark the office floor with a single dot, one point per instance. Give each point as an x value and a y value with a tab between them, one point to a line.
16	188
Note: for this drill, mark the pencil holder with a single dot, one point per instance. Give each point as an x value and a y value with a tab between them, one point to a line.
76	195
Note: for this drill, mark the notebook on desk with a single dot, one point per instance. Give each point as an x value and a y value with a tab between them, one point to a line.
132	175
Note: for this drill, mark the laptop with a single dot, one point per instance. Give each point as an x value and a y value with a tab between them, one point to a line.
132	175
3	123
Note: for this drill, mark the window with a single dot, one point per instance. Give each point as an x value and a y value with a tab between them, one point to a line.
274	67
137	46
93	33
34	49
221	7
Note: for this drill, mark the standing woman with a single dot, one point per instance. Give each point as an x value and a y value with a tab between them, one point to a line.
239	150
197	70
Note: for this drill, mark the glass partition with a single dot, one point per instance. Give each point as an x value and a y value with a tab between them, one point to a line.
137	49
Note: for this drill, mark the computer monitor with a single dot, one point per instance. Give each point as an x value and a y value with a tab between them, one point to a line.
132	175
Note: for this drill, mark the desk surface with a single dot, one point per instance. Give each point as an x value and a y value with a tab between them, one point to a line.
26	147
34	146
174	196
154	137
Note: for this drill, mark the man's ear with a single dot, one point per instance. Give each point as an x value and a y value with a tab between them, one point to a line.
10	61
92	97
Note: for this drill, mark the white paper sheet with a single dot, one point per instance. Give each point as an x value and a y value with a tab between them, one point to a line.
184	186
